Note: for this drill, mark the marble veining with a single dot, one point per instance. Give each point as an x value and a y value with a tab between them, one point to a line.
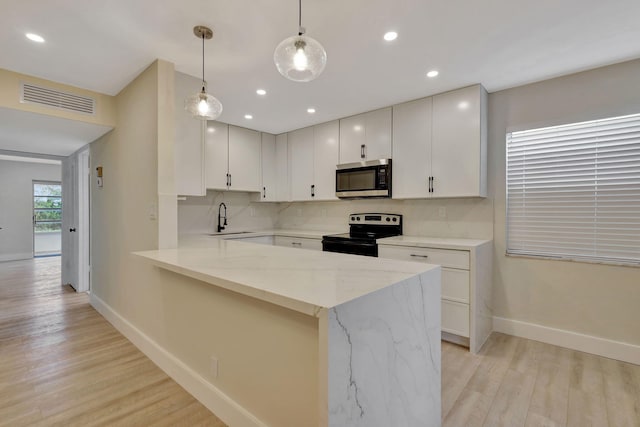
384	357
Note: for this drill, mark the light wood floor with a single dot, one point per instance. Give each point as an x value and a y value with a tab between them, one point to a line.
518	382
62	363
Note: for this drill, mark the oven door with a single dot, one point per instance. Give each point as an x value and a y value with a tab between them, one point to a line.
350	247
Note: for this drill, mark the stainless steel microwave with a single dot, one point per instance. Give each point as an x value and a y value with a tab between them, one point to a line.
364	179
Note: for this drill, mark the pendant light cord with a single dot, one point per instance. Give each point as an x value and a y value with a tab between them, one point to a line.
203	84
300	18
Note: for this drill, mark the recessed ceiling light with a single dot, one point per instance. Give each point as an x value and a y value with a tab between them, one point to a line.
35	37
390	36
433	73
248	116
311	110
261	92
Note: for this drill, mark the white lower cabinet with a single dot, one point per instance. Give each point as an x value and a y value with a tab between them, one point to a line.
299	242
466	288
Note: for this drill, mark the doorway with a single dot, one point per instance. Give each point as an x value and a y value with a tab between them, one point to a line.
47	218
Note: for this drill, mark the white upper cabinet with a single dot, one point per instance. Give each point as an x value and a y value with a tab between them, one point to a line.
283	189
411	164
439	146
268	161
189	141
244	159
217	155
301	162
459	143
232	158
325	159
366	136
313	159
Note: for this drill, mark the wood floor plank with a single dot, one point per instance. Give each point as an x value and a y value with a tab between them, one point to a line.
622	392
587	405
551	392
473	404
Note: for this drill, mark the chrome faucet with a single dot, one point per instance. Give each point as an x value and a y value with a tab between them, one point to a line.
222	226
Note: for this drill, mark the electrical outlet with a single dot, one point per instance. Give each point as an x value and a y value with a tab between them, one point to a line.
442	212
214	367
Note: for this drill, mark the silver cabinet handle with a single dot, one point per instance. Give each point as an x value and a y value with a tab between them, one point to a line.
264	192
296	243
419	256
313	191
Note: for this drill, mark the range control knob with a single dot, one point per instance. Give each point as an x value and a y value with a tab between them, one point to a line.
358	218
395	219
353	218
388	219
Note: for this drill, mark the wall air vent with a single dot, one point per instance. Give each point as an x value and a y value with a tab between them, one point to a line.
33	94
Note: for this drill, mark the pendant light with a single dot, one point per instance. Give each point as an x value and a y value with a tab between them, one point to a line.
202	105
300	58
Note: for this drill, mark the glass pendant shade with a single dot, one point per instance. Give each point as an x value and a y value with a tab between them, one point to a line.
300	58
203	106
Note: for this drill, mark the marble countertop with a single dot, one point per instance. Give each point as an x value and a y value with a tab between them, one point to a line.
302	280
428	242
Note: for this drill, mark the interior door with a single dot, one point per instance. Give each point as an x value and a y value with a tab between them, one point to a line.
69	224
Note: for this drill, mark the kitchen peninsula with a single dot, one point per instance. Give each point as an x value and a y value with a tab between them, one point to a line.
347	340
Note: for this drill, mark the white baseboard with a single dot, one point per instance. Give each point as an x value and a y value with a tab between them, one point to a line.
587	343
210	396
16	257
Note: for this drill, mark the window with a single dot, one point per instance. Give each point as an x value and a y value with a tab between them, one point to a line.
573	191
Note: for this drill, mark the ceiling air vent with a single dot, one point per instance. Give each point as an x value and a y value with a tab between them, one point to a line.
33	94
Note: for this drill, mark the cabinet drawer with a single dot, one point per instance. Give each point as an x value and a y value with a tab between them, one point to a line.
444	257
455	318
455	285
299	242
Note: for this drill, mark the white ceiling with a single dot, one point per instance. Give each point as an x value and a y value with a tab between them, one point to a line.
26	132
102	45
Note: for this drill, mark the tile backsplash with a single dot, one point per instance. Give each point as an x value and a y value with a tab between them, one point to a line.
461	218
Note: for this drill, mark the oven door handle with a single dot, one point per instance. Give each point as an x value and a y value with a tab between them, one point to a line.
364	244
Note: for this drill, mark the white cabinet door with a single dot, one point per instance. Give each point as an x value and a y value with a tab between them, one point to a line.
378	134
366	136
325	159
268	162
459	143
352	138
216	155
189	141
283	189
411	149
301	149
244	159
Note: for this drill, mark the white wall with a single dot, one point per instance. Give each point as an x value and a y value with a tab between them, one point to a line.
16	205
597	300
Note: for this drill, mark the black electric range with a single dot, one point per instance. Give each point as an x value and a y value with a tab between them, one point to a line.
364	229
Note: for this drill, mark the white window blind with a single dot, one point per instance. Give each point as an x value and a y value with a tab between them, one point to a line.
573	191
